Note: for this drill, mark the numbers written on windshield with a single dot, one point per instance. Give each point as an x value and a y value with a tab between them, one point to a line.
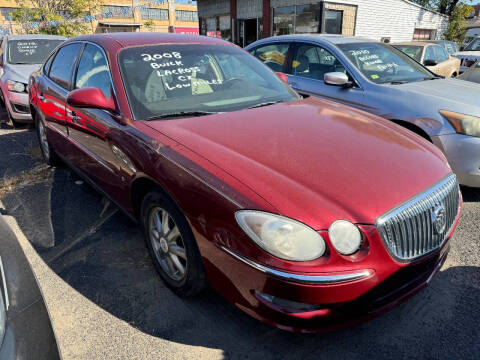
169	66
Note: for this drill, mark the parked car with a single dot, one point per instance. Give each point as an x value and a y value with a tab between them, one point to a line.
471	34
432	56
296	210
470	54
25	328
20	55
380	79
472	74
450	46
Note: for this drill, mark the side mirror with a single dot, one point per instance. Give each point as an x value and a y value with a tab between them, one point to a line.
337	79
90	97
283	77
429	62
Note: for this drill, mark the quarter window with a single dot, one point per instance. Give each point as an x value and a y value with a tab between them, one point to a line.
314	62
93	70
63	64
273	55
429	54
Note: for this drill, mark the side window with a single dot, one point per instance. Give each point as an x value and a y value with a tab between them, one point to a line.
63	64
429	54
440	53
314	62
93	70
48	63
273	55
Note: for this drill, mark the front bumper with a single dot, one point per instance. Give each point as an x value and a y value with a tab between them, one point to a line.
18	106
321	302
463	155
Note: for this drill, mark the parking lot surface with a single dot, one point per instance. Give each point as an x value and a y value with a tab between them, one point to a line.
107	302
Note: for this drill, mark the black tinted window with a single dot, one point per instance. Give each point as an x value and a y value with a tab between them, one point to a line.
93	70
63	64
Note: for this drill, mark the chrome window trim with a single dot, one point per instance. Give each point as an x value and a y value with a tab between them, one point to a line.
299	278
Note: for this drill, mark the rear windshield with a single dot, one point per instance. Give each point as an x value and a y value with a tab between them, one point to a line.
414	52
474	45
172	79
33	51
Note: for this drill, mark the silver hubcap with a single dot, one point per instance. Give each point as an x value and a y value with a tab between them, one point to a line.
43	139
167	244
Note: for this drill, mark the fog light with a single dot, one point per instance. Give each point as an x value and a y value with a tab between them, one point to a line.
345	237
290	306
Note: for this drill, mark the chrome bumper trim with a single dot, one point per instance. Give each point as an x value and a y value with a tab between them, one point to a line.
302	279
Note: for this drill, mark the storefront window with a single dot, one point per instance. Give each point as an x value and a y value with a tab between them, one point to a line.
225	28
284	20
333	21
307	19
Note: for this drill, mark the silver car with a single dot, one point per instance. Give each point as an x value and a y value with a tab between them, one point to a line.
472	74
380	79
20	56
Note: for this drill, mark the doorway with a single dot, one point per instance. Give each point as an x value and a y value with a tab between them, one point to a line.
248	31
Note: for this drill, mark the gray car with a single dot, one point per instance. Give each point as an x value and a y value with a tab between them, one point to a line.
472	74
20	55
380	79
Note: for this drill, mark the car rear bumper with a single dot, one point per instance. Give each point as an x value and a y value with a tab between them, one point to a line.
463	155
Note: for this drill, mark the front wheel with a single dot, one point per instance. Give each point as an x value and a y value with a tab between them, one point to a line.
172	245
48	152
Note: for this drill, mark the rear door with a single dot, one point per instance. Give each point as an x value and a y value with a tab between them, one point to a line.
445	64
94	132
310	62
52	93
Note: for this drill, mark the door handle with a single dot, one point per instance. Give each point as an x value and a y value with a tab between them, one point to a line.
41	98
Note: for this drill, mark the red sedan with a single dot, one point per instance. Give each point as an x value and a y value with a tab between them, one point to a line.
304	213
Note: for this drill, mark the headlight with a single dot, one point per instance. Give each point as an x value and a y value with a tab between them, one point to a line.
280	236
345	237
463	124
16	86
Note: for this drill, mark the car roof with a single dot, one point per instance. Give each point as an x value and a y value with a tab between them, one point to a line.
35	36
333	39
127	39
414	43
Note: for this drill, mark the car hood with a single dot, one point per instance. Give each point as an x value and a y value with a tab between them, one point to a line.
21	73
444	92
313	160
468	54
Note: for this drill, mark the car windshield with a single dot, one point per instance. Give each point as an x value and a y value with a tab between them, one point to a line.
382	63
180	80
31	51
474	45
415	52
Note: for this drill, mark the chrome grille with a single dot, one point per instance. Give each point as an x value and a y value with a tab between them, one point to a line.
421	224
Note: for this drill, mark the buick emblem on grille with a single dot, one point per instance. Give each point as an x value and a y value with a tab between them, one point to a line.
439	219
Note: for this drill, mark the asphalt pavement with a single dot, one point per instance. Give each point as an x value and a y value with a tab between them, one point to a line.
107	302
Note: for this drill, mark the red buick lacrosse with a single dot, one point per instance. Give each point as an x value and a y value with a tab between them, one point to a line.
306	214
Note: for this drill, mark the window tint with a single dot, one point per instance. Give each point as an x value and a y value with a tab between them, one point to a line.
63	64
273	55
93	70
314	62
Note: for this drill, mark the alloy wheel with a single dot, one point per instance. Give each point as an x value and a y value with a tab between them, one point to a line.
167	244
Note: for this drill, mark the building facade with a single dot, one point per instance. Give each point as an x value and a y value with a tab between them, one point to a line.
178	16
244	21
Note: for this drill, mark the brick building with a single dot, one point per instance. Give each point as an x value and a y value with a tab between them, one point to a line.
162	16
244	21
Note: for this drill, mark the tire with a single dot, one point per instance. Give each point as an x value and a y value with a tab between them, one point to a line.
48	153
172	245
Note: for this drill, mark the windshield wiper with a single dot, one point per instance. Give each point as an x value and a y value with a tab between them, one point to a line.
268	103
432	78
398	82
181	114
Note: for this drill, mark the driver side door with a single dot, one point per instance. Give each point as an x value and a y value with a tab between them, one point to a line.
310	63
